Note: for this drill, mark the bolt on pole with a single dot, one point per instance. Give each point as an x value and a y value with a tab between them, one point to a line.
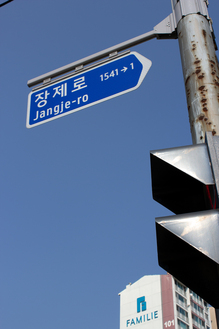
200	66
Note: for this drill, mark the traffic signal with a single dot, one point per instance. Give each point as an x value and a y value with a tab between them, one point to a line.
185	180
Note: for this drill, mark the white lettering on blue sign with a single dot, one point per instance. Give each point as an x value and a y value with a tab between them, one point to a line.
98	84
58	109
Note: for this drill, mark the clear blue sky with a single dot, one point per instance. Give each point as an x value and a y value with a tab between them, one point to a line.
77	214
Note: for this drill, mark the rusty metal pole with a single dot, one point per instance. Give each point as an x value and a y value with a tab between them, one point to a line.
200	66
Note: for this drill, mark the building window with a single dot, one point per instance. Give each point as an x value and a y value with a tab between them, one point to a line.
181	298
181	313
180	287
197	308
198	320
182	325
195	296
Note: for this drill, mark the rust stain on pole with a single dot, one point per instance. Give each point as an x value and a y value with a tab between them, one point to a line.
201	75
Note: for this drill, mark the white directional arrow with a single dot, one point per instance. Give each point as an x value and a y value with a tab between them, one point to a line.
124	69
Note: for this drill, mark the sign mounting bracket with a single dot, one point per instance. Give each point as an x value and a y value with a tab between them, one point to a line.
164	30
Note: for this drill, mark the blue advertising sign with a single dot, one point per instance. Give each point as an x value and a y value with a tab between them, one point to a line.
98	84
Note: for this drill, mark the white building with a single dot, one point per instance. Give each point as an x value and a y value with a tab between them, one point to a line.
162	302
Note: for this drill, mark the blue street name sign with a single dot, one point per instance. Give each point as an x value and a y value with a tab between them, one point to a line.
98	84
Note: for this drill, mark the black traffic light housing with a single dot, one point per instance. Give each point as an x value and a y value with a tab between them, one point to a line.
182	179
185	180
